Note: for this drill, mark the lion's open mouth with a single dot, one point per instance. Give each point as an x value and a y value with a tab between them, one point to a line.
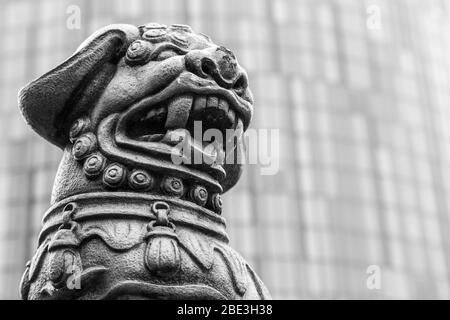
170	131
156	123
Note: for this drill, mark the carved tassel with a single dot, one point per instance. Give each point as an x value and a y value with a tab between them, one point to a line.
162	255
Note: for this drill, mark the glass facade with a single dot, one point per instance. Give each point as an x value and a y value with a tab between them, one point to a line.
359	91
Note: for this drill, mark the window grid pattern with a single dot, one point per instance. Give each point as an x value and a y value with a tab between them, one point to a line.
364	142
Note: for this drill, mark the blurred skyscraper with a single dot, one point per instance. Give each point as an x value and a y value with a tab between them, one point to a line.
360	93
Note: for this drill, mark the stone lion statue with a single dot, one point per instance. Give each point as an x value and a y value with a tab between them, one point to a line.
126	220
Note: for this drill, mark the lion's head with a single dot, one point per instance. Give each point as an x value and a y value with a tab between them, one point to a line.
129	95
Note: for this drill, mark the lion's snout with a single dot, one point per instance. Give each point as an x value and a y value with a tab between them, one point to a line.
218	64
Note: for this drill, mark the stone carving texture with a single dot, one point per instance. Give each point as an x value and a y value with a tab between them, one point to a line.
125	221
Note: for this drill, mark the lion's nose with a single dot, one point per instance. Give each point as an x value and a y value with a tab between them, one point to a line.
219	64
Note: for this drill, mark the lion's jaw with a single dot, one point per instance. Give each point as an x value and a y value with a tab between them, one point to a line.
155	116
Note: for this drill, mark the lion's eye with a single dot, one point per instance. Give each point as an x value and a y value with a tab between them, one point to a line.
163	55
138	52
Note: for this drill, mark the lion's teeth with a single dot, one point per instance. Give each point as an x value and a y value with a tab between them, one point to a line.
232	117
223	105
240	126
210	151
212	102
199	103
214	151
156	113
174	137
178	112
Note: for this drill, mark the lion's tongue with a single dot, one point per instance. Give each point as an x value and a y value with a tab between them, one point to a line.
178	112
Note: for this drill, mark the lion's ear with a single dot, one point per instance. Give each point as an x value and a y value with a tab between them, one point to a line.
51	102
